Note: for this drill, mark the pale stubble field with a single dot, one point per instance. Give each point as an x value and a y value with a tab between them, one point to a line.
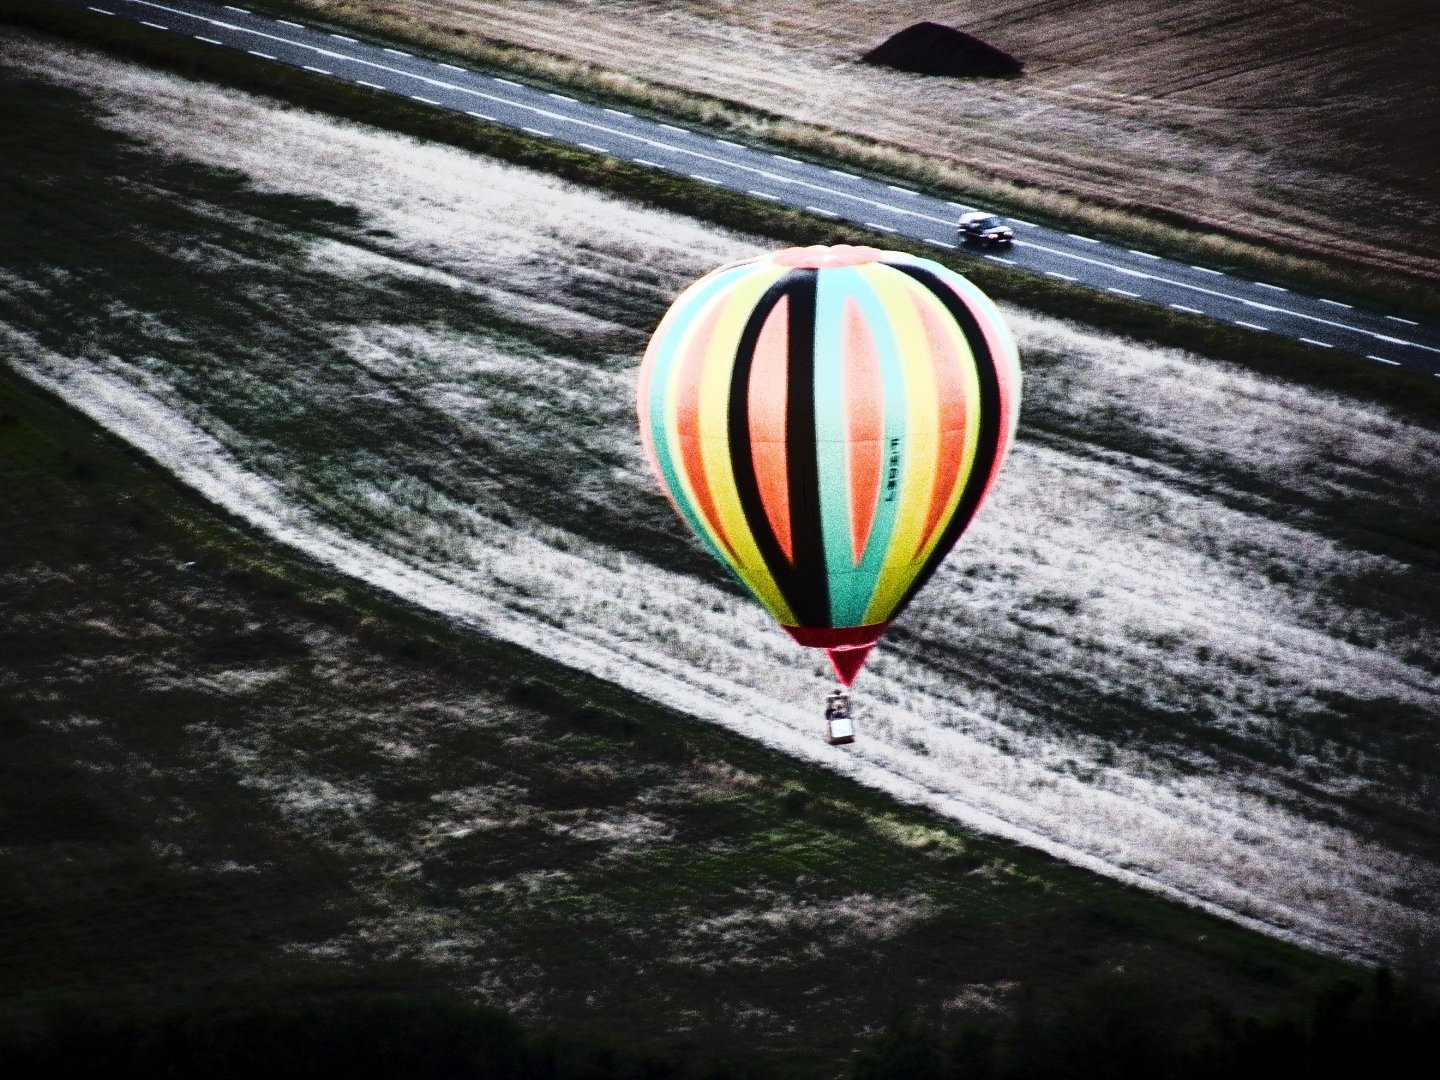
1197	653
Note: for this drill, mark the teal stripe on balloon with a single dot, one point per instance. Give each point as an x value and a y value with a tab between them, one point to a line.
834	285
855	585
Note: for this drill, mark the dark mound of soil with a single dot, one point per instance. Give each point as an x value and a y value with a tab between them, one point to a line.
931	49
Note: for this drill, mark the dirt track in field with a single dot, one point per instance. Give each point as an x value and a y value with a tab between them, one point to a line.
1315	123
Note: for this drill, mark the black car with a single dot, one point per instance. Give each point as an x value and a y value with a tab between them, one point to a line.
985	229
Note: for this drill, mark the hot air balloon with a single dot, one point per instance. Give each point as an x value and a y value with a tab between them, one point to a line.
828	420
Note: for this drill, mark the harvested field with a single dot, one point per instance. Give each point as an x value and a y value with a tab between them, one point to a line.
1286	122
1197	653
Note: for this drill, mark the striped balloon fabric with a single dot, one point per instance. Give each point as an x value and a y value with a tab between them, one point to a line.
828	420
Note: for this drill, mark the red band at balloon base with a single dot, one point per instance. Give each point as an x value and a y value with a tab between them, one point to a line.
848	646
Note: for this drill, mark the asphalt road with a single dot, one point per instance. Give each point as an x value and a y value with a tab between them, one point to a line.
1374	336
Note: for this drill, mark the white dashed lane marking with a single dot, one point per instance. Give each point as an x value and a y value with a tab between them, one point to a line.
1143	254
1124	292
208	41
881	228
1407	322
938	243
1322	344
1054	274
318	71
822	211
1337	303
1393	363
1207	270
763	195
1187	310
1276	288
1250	325
267	56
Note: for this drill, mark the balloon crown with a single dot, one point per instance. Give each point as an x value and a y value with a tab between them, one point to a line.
819	256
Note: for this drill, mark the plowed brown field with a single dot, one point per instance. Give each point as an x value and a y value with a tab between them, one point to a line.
1313	124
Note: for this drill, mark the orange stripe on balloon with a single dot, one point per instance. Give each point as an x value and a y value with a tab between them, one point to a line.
687	424
769	398
949	390
864	407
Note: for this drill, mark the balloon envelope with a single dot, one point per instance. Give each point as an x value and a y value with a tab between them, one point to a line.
828	420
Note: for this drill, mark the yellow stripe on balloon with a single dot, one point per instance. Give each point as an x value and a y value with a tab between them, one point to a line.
970	376
922	437
715	448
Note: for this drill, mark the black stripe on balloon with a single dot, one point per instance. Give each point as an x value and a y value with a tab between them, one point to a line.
987	447
803	584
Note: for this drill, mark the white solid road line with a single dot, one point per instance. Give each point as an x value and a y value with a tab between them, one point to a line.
586	146
705	179
342	37
267	56
318	71
879	227
454	67
1336	303
902	190
1124	292
938	243
497	78
432	101
208	40
1062	277
763	195
727	142
479	115
612	112
1407	322
1087	239
371	85
1250	325
822	211
287	22
1322	344
153	25
650	164
1143	254
232	7
532	131
397	52
1188	310
1207	270
997	258
100	10
1393	363
1277	288
672	127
